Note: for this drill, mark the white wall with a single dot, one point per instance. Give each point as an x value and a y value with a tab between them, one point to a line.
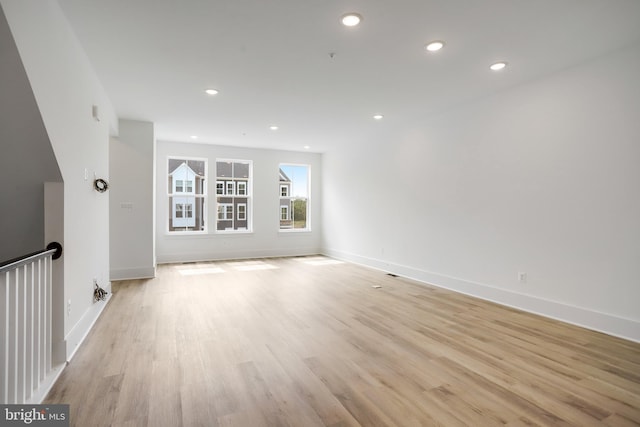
542	179
131	203
266	240
65	88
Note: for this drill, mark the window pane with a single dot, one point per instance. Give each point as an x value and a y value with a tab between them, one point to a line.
234	183
294	197
187	198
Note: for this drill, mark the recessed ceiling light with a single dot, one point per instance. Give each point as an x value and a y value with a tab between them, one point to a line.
378	116
273	127
350	19
306	147
194	136
434	46
211	91
497	66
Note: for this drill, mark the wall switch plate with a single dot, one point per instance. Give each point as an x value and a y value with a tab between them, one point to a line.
522	277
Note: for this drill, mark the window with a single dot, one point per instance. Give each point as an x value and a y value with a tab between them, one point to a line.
233	191
294	197
225	211
242	211
187	194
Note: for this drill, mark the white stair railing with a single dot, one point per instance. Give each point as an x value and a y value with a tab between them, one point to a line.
25	324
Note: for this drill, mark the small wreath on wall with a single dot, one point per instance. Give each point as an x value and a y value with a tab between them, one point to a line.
100	185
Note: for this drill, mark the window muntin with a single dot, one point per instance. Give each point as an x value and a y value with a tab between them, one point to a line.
294	197
187	191
234	194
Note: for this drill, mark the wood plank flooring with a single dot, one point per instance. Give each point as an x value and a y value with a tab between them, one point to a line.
308	341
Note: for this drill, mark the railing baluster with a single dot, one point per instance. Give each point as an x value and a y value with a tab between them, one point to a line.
4	335
25	325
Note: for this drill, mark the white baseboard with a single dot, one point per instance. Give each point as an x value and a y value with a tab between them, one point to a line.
602	322
39	395
236	254
133	273
80	331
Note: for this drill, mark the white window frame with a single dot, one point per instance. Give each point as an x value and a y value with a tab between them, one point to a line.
220	187
232	186
292	200
286	188
204	196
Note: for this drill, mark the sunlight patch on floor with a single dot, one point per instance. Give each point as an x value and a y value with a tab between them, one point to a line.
251	265
200	271
320	260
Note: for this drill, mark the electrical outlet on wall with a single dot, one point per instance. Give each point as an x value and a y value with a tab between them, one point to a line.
69	308
522	277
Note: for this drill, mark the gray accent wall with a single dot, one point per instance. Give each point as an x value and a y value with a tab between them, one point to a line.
27	160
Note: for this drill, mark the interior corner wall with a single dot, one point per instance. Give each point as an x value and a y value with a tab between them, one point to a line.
541	179
65	88
27	160
266	240
131	228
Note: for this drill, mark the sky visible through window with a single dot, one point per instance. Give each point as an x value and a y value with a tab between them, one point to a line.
299	178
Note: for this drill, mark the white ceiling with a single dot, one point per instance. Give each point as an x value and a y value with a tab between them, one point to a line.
271	60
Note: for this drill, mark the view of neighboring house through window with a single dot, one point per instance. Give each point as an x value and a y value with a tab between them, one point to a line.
294	197
233	192
187	194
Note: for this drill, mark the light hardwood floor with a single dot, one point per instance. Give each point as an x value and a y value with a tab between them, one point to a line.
313	343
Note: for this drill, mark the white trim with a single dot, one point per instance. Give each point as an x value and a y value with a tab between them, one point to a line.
218	182
204	196
292	198
628	329
132	273
286	187
79	332
232	183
